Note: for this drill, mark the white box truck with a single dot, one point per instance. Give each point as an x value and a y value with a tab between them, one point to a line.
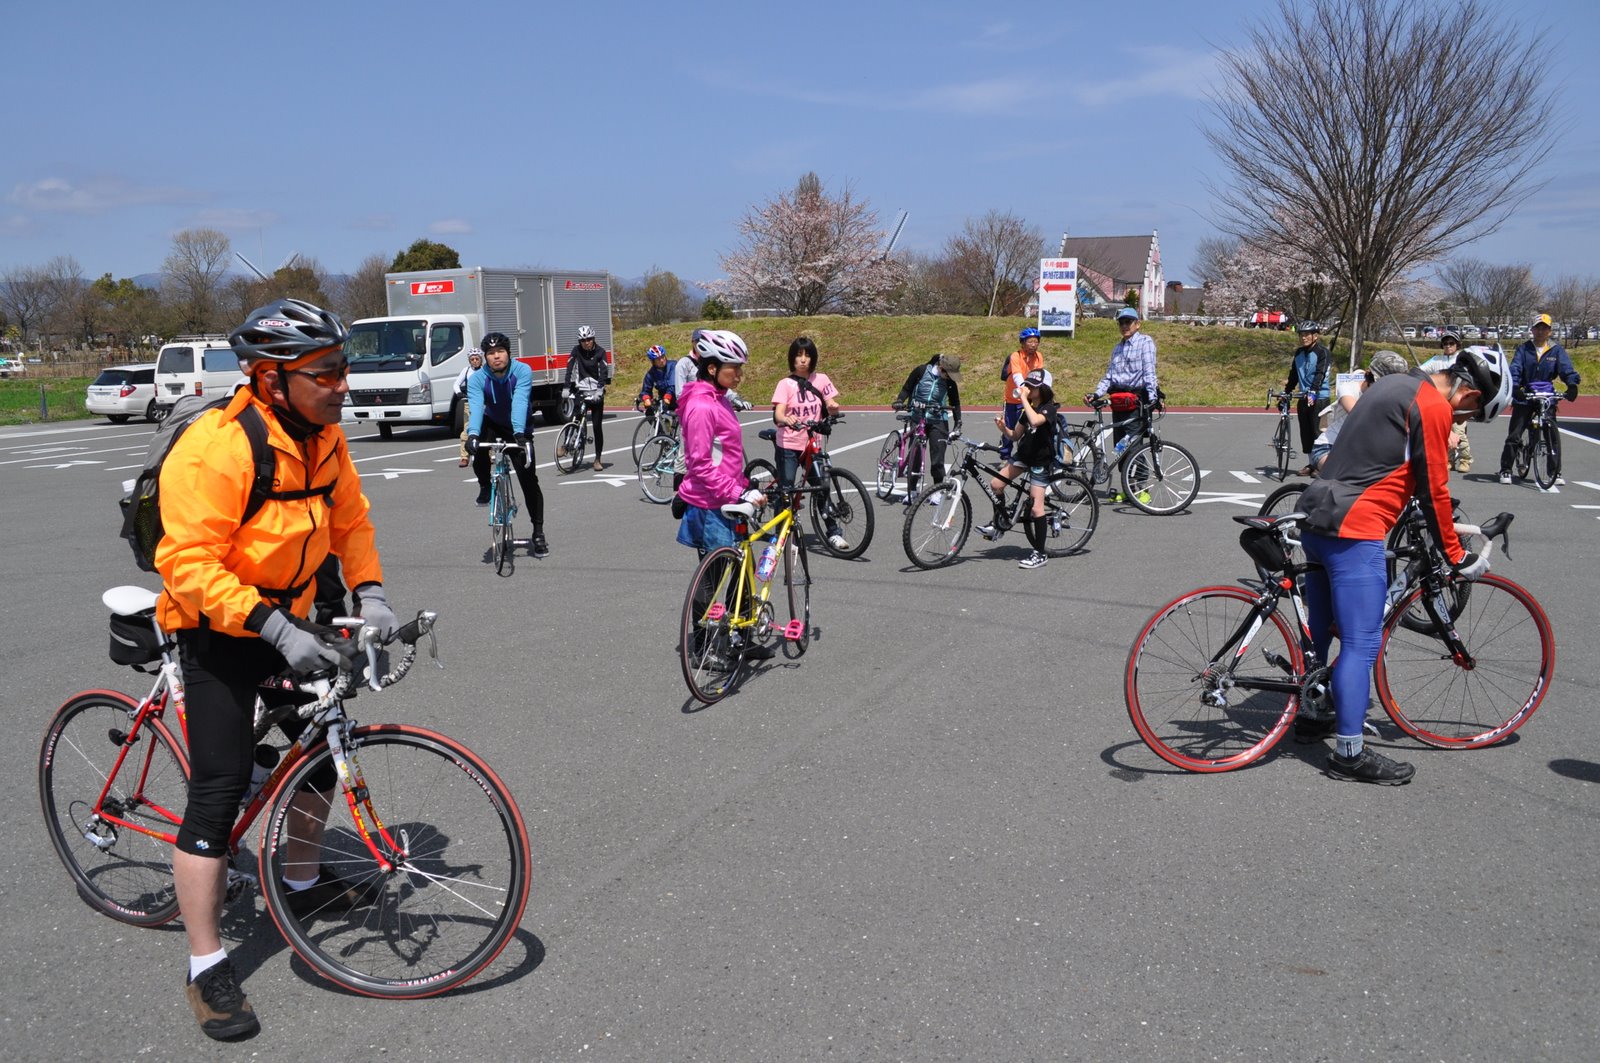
403	367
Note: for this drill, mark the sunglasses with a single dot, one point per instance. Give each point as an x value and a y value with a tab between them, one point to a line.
328	378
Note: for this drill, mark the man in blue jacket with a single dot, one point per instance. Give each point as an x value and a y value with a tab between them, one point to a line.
1308	374
1537	360
498	399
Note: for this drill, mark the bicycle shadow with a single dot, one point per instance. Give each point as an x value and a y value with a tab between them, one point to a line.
1572	768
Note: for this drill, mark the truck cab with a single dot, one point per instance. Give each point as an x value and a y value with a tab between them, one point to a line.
394	363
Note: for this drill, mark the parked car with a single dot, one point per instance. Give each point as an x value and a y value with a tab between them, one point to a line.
195	365
1409	332
1470	332
125	391
10	367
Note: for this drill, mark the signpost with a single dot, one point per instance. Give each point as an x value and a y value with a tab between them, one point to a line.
1058	295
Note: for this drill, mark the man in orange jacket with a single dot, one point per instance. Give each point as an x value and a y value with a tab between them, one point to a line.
1023	361
236	593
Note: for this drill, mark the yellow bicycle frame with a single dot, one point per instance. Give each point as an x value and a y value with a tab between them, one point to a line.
783	524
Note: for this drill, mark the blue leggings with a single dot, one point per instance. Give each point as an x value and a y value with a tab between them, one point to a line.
1355	567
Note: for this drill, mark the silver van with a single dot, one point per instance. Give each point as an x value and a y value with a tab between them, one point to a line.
195	365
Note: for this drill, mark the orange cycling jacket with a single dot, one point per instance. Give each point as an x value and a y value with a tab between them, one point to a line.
214	567
1020	363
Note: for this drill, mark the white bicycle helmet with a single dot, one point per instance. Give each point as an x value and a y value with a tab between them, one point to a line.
585	333
721	345
1485	369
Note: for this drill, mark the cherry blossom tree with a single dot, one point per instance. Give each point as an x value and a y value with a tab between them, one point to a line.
807	252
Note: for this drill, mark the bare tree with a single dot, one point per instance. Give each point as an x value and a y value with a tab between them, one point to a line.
1509	294
929	286
1462	280
364	293
1574	301
995	258
1339	154
1212	258
661	298
810	253
28	299
74	315
192	277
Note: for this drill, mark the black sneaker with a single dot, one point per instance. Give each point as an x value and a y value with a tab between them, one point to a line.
539	548
1368	766
483	496
219	1004
330	894
1308	729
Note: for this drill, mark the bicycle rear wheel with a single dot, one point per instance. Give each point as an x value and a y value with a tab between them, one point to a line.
123	871
1179	666
1160	479
643	432
461	874
797	588
1543	463
888	466
656	462
569	446
706	645
937	524
1478	701
762	475
1071	513
844	505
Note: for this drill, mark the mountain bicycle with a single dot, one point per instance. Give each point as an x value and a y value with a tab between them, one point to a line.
904	453
1157	476
940	518
659	419
573	438
1538	450
1203	701
503	503
419	823
841	509
1282	440
729	607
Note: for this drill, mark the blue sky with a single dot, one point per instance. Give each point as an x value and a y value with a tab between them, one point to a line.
622	136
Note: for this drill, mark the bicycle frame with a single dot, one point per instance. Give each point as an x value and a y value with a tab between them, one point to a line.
751	589
973	469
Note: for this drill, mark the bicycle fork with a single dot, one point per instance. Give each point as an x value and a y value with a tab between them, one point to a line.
359	798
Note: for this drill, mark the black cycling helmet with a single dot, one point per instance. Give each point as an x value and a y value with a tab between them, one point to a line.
495	341
286	331
1307	327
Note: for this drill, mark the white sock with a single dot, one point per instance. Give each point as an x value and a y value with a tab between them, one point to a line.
302	883
199	965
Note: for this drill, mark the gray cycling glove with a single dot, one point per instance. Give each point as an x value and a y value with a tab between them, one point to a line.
375	610
306	646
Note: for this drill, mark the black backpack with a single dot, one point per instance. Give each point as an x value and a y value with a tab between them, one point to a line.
141	504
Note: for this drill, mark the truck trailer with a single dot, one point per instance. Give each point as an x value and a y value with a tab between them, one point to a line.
403	367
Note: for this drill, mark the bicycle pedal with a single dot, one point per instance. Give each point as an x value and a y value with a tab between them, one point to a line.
717	611
1277	661
794	630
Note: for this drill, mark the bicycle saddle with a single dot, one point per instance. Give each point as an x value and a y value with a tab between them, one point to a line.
1264	523
129	601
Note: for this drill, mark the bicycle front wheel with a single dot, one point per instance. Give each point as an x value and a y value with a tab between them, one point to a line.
1543	464
459	854
797	587
656	462
1083	455
843	507
707	648
1281	447
1071	513
500	525
643	432
123	869
888	466
1161	478
569	447
937	524
1181	686
1481	698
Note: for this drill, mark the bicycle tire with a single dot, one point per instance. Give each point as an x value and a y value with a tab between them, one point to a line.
762	475
656	465
1163	484
1164	697
1281	447
1086	461
854	515
569	447
1463	705
1415	617
461	856
797	588
1072	512
1542	464
1523	455
706	648
130	877
643	432
888	466
935	531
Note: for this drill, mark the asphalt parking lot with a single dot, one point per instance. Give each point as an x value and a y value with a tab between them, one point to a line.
934	837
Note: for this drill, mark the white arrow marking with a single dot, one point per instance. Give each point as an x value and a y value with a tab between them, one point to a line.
394	474
1589	484
66	464
614	481
1246	477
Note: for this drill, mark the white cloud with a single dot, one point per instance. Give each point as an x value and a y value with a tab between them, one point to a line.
233	218
97	195
450	227
1157	70
373	223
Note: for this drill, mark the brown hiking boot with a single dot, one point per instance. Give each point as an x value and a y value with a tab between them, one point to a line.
219	1004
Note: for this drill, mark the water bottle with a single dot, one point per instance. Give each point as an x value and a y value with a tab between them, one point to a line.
1122	444
768	561
266	758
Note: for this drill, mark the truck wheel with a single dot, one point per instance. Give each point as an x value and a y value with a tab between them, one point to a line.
385	431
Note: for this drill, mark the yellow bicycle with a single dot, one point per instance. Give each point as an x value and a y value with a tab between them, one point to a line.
729	614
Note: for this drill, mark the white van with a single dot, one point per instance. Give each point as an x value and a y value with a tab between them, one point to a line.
195	365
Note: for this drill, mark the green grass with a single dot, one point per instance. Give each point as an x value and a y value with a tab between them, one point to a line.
868	357
19	399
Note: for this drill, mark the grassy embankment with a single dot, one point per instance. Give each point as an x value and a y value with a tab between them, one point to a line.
868	357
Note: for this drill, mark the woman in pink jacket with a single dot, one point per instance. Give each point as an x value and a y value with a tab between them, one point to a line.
713	443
